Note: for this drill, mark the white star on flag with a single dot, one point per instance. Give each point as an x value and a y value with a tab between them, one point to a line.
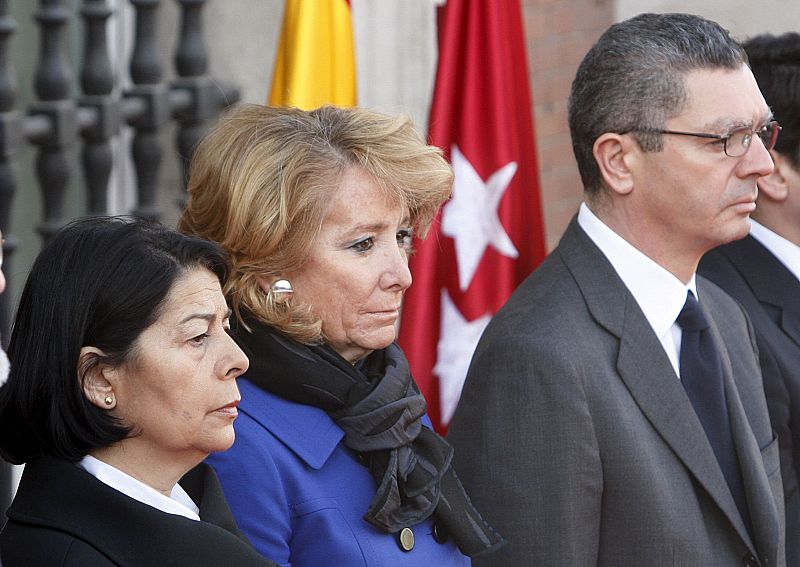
457	342
470	217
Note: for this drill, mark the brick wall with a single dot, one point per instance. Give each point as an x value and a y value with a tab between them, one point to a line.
558	34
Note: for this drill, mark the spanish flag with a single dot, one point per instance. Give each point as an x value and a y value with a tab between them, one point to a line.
316	59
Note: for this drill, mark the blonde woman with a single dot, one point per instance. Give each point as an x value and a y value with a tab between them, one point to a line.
334	461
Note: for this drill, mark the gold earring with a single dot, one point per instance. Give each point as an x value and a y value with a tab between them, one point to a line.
109	400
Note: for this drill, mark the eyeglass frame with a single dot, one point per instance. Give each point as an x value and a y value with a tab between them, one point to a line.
724	138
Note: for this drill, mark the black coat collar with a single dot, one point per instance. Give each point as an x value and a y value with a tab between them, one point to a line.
771	282
57	495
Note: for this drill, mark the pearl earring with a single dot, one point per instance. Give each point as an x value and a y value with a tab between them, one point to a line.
281	291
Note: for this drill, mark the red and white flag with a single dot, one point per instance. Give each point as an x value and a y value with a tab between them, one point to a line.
489	236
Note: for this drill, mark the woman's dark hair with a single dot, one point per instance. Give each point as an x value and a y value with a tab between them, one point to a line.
99	282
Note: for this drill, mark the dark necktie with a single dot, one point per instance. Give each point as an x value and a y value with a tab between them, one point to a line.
702	378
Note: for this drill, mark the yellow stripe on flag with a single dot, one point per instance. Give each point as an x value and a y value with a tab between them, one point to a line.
316	59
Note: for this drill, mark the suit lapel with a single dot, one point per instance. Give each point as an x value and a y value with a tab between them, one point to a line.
645	368
760	500
772	283
790	322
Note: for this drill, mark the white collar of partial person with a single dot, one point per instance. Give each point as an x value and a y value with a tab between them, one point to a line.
5	366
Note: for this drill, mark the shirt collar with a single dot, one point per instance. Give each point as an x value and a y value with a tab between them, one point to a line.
659	294
787	252
178	503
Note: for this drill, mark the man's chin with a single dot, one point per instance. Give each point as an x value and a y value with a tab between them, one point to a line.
737	231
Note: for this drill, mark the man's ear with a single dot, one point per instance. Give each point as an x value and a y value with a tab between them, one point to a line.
775	186
93	374
613	152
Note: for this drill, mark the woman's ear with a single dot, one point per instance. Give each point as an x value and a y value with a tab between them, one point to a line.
612	152
93	374
264	283
775	186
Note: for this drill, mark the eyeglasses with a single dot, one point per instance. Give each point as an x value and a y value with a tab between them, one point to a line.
736	142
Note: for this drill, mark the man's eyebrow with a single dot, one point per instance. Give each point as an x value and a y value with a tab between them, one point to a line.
727	124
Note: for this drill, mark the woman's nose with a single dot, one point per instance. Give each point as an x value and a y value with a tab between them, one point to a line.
397	274
237	363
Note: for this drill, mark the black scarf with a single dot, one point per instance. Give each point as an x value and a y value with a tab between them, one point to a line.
378	406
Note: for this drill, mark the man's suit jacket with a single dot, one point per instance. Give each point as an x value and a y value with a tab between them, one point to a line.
770	294
63	516
576	438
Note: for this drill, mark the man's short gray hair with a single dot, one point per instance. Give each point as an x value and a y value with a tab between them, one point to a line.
633	80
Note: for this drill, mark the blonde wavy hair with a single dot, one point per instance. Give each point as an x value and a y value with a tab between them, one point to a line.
260	183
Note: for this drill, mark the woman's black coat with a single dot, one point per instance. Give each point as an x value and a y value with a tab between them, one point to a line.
63	516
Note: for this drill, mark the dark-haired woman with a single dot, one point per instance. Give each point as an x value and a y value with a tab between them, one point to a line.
123	381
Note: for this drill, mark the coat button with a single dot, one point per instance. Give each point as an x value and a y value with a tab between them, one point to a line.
439	533
750	561
406	539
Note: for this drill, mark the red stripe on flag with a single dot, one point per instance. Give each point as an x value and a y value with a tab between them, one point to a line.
481	106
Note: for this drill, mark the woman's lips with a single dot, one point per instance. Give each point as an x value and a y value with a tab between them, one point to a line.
229	409
390	314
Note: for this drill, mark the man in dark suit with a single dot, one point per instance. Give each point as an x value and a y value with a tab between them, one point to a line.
762	271
585	430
